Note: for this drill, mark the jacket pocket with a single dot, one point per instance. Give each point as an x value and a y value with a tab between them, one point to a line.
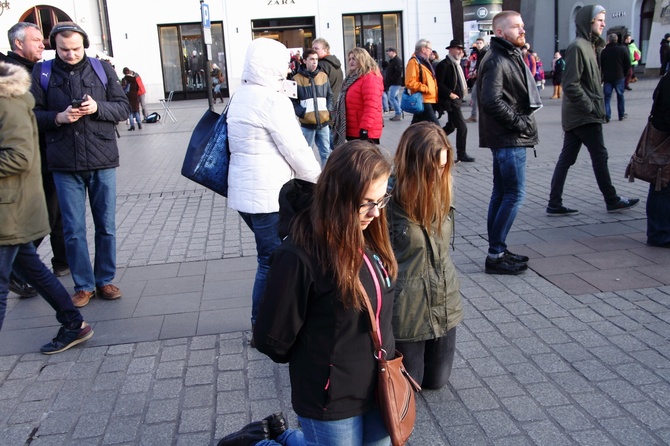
8	196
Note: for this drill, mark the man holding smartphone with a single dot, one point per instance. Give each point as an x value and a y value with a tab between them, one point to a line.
78	119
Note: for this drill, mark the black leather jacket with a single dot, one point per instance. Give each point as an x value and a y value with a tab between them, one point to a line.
505	118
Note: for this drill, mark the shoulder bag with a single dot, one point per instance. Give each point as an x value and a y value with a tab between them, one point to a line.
208	156
413	103
395	387
651	160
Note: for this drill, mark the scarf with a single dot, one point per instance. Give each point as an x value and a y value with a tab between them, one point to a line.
461	77
340	124
534	99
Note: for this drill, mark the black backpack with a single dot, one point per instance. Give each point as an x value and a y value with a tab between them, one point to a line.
152	118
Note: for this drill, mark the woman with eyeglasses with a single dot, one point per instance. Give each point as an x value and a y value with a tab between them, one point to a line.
427	304
359	108
313	313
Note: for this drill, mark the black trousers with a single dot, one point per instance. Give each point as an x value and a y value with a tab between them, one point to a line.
427	115
591	135
457	122
57	239
429	362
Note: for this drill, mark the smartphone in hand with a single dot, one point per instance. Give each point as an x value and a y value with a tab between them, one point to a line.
76	103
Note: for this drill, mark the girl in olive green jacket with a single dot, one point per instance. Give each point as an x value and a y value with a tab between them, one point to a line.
427	304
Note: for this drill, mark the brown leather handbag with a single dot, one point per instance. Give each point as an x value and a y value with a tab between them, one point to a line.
651	160
395	387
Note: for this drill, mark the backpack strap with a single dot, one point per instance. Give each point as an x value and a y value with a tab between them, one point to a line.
45	74
95	63
99	70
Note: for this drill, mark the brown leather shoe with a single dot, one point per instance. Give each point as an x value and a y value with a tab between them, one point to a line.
82	297
109	292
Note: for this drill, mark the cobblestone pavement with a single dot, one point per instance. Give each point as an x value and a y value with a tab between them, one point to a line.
574	352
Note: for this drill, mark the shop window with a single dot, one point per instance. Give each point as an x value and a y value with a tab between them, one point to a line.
184	62
374	32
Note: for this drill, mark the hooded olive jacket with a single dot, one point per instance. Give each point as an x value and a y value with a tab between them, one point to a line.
583	99
427	292
23	211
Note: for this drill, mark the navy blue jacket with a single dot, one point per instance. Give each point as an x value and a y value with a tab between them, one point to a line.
90	142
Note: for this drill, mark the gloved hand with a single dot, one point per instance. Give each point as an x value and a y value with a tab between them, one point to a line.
363	134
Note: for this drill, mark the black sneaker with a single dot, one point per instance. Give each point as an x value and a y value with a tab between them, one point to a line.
21	288
560	211
249	435
66	339
277	424
518	258
622	204
504	265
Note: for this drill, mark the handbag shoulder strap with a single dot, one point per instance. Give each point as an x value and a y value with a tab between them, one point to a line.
375	333
418	62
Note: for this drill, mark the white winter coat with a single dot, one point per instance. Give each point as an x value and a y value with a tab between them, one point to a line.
266	143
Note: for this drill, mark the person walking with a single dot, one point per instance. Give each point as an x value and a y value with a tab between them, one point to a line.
27	44
427	304
615	63
420	77
583	114
557	68
507	100
451	90
635	56
23	213
83	155
477	54
313	314
393	79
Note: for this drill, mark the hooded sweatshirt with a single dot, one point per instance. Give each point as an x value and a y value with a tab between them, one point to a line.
267	147
583	101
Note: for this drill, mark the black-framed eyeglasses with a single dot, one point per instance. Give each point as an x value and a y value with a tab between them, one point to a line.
370	205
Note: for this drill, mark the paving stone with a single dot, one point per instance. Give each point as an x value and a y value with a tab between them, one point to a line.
546	433
592	438
122	430
496	423
478	399
597	405
626	431
569	418
162	411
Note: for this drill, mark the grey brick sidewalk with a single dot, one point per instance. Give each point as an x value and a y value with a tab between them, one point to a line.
576	351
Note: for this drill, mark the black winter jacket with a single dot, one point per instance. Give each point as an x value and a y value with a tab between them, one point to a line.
90	142
614	62
394	72
329	350
505	118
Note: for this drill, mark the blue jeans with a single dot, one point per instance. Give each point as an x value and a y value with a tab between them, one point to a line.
266	232
618	87
363	430
385	101
26	264
429	362
658	216
509	190
394	95
322	138
290	437
101	187
136	117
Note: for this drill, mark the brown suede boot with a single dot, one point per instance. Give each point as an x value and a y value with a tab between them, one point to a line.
555	95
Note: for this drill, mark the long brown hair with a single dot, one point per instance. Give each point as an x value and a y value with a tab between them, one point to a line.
420	189
331	230
366	64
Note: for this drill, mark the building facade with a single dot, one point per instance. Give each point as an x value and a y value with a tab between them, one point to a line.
163	40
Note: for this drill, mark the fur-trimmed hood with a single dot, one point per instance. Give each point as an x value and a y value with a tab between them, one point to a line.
14	80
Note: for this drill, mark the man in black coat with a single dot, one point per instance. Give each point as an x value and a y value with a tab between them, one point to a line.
393	80
615	64
451	90
78	112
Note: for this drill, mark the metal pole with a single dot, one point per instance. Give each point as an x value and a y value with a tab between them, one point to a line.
208	64
556	26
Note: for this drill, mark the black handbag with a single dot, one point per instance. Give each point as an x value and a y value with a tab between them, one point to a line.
208	156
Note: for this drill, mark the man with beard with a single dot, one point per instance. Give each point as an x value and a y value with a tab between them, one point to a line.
507	99
583	113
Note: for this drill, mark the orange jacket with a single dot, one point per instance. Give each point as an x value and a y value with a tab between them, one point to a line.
427	86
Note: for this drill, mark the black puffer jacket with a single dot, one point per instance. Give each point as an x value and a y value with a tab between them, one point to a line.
90	142
505	118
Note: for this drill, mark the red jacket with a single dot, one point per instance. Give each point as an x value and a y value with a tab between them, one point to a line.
364	106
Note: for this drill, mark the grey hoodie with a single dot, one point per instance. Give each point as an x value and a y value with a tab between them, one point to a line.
583	101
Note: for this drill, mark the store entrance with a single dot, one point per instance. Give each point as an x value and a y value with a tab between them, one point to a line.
296	33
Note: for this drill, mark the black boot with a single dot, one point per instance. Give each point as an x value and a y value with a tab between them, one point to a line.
139	126
277	424
17	286
247	436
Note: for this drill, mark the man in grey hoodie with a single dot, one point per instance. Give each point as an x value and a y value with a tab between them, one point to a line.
583	113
